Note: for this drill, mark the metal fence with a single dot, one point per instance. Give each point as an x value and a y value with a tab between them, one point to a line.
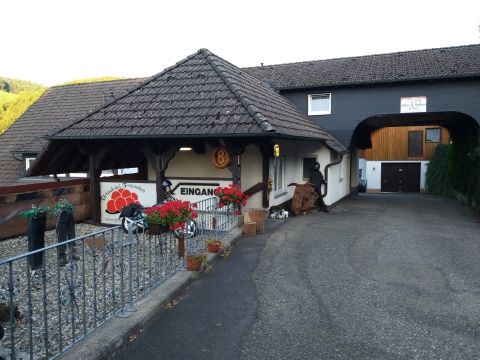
47	310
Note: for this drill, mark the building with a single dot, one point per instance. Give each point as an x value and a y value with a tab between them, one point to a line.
173	124
354	97
323	110
56	108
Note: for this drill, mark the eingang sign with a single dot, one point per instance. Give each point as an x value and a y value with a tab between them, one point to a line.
115	195
194	190
413	104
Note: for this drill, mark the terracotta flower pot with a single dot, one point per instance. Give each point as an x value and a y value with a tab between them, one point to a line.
193	264
213	247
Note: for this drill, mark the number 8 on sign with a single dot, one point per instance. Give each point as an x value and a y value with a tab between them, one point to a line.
221	158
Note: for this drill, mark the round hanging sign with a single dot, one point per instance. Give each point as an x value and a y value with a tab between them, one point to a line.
221	158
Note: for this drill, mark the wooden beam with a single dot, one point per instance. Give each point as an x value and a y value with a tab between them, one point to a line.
265	174
94	178
236	148
235	169
254	189
161	159
50	164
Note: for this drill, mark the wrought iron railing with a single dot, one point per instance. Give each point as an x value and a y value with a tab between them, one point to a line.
48	309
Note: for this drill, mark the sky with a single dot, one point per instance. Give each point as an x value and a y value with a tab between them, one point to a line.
52	42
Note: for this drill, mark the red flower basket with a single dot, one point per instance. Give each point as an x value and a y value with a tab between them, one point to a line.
171	215
231	195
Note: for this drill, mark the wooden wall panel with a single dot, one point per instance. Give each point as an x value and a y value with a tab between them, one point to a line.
16	201
391	143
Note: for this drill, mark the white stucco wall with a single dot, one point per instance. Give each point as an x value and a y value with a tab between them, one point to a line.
354	174
188	164
374	174
251	174
294	152
338	181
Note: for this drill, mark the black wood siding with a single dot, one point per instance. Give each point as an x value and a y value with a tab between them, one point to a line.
352	105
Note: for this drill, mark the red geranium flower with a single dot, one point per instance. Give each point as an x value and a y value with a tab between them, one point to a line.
231	195
171	214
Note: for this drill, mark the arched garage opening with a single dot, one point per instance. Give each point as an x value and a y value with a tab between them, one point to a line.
394	150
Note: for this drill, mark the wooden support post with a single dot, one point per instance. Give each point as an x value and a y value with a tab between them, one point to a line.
94	176
265	174
159	177
161	160
94	171
236	148
236	170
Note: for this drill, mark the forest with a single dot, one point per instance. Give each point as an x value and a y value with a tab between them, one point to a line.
16	96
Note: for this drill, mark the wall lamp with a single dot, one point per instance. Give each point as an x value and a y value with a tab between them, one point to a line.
185	148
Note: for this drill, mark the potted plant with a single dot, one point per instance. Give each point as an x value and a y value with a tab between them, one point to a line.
65	228
213	245
194	262
231	195
171	215
37	222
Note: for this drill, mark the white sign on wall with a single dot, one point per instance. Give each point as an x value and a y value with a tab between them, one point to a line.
115	195
194	190
413	104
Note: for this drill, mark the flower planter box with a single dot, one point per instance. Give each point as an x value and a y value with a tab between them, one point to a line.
250	228
156	229
36	240
258	217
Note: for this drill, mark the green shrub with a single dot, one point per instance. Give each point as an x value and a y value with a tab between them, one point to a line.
455	168
436	170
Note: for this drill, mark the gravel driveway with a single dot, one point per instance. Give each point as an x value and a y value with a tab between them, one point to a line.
380	277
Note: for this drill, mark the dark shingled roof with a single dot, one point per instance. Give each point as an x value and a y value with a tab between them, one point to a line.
201	96
56	108
430	64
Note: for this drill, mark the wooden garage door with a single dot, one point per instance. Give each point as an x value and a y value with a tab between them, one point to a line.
401	177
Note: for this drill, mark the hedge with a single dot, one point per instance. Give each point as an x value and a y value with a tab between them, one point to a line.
455	169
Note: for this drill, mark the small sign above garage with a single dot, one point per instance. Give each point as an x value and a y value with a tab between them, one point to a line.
414	104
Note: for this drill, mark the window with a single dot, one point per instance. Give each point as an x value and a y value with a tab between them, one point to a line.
28	162
278	174
307	166
319	104
415	143
433	135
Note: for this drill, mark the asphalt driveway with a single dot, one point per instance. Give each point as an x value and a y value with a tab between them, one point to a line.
380	277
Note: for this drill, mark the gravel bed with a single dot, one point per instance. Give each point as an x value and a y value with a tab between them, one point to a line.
66	302
19	244
60	304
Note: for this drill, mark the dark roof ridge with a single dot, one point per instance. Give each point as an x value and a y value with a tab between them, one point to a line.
362	56
148	80
239	94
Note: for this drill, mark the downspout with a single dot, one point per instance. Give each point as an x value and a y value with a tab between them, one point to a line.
328	166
